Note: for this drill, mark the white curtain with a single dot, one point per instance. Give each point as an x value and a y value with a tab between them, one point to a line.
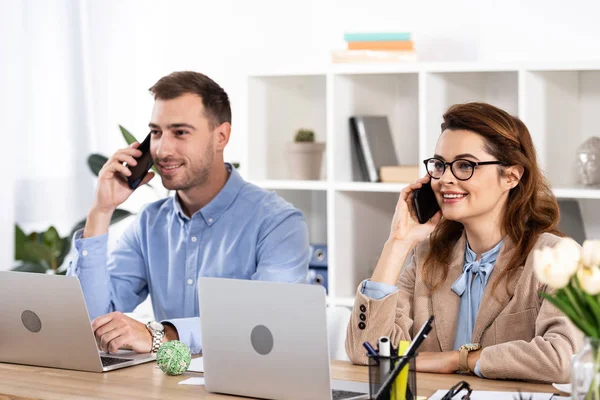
53	184
11	115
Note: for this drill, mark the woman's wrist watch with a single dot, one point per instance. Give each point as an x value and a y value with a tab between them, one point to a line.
157	330
463	357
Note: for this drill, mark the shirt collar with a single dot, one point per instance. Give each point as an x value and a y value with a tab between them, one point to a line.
217	206
487	257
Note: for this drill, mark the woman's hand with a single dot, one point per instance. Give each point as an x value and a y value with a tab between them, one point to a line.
405	224
405	233
445	362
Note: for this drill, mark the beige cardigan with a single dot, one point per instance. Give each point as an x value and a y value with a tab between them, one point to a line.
523	336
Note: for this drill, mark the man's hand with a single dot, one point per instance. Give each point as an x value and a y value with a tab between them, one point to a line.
116	331
445	362
112	189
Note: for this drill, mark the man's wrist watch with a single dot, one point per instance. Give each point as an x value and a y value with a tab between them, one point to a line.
465	349
157	330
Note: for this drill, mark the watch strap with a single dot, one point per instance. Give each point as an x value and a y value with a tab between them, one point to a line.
157	337
463	356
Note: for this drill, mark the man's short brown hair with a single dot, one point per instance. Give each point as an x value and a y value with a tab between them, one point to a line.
214	98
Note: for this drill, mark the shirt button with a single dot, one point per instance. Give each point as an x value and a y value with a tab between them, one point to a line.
190	282
210	220
84	253
194	239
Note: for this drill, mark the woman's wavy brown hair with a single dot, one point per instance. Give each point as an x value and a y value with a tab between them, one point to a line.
531	208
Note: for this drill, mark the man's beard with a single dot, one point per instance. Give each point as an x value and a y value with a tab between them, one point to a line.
198	176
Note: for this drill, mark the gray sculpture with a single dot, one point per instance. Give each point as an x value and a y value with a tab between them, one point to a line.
588	161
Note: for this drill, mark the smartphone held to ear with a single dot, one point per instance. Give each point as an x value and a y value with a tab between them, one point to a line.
425	203
144	163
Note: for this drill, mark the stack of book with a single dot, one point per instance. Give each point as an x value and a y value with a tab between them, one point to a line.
383	46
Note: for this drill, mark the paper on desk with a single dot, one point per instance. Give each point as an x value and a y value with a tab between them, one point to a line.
193	381
485	395
197	365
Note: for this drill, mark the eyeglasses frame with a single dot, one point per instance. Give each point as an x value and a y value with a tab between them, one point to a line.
474	164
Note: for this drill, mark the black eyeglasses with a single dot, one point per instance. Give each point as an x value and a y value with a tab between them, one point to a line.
462	169
454	390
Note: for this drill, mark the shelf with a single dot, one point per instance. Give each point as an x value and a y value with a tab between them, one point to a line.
277	107
370	187
276	184
576	193
558	102
392	95
436	67
374	68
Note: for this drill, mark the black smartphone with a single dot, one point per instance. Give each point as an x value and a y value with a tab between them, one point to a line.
425	203
144	163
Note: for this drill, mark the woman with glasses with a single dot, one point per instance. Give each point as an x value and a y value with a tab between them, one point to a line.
470	265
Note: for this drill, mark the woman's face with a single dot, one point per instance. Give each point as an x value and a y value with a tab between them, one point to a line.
479	199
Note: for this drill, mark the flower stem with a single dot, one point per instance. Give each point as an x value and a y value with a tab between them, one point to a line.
573	300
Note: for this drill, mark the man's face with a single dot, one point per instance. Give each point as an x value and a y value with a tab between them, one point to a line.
183	142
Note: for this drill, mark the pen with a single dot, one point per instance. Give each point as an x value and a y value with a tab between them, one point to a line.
370	349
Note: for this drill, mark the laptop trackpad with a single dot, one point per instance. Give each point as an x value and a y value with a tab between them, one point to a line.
350	386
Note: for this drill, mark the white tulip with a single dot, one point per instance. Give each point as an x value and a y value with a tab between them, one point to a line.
589	278
567	255
591	253
548	271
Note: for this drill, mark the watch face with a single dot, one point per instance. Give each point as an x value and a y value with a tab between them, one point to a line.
156	326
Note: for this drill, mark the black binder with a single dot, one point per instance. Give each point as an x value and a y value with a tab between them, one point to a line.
373	145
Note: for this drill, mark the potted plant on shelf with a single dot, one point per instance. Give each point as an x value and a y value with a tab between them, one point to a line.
305	156
574	275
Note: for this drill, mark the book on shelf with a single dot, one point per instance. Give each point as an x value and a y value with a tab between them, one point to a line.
376	36
392	45
399	173
362	56
372	144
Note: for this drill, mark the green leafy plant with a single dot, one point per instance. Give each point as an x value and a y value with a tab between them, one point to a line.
304	136
43	251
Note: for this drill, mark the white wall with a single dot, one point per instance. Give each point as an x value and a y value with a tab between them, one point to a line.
133	43
111	52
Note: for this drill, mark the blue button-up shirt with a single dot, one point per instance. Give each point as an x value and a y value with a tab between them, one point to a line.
245	232
469	301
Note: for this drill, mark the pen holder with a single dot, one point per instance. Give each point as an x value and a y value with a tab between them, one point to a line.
380	368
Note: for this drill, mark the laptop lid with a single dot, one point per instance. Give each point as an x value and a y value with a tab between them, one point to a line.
44	321
264	339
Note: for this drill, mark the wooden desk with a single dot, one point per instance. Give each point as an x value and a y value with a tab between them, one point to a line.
147	382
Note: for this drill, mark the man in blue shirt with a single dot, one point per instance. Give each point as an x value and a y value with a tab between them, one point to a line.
216	225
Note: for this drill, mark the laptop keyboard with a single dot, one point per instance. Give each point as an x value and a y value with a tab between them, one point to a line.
343	394
108	361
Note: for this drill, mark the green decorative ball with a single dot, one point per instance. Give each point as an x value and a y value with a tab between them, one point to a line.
173	357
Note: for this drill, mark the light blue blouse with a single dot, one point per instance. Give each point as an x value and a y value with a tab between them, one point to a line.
469	286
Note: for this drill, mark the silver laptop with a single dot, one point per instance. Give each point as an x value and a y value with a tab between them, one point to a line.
44	321
268	340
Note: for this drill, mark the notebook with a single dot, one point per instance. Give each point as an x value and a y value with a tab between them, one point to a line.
372	144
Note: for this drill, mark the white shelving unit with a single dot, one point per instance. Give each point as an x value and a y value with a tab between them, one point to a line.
557	101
